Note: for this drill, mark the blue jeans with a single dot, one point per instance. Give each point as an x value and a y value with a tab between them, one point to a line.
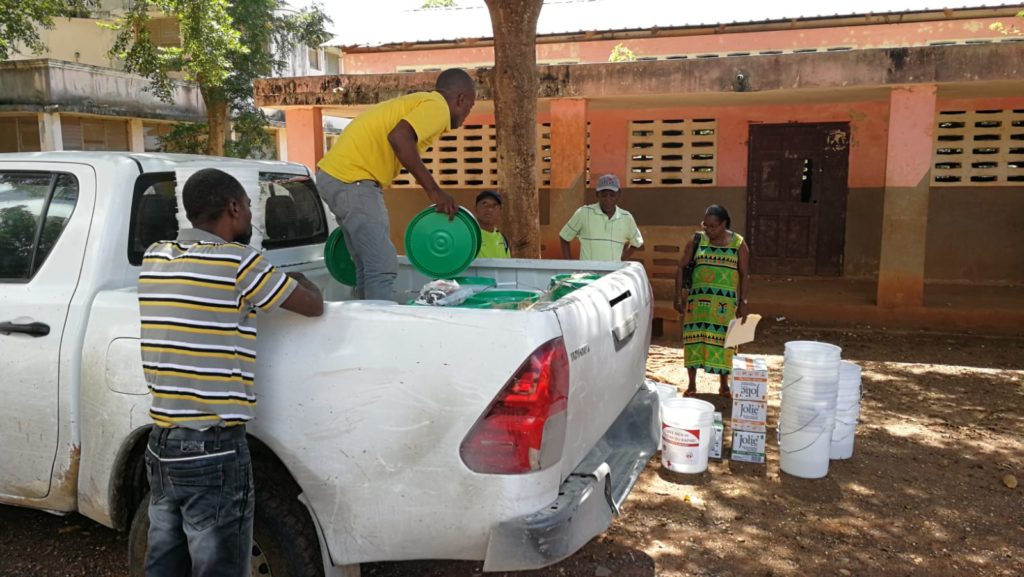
201	503
363	218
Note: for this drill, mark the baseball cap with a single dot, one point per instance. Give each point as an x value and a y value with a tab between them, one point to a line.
608	182
489	193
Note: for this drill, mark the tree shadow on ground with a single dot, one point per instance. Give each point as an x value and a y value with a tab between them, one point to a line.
923	494
599	557
881	513
968	348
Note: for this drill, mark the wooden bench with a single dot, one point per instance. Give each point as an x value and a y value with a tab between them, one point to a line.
663	247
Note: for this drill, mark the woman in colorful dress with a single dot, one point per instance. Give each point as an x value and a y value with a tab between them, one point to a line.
717	295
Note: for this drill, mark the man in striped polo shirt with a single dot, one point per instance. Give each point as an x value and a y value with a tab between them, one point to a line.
198	299
606	232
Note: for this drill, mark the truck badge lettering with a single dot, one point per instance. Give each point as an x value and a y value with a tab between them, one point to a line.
579	353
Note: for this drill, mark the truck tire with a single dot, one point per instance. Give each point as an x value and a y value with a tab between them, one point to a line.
284	540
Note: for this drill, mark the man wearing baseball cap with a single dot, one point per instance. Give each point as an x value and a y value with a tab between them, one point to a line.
494	244
606	232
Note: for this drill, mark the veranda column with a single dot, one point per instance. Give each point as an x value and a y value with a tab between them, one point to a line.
305	139
50	135
905	206
136	135
568	166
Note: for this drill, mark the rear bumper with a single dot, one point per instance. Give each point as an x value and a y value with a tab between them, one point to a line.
587	498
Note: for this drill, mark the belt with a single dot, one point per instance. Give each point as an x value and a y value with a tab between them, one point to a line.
212	434
362	180
368	181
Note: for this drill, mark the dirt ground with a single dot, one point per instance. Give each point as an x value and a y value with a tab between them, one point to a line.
931	489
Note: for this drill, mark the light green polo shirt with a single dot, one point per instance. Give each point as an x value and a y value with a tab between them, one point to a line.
602	238
493	245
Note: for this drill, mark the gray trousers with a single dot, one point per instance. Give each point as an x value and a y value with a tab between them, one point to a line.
363	218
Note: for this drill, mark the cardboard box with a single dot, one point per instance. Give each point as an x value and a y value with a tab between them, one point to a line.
749	379
749	416
749	390
749	368
748	446
717	432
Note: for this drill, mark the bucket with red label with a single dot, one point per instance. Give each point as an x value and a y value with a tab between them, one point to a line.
686	430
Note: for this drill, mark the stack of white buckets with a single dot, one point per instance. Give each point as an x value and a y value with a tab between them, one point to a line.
820	407
686	431
847	411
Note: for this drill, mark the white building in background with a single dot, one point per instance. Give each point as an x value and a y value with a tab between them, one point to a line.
74	96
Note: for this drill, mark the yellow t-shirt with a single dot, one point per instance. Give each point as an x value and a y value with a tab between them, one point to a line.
492	245
363	152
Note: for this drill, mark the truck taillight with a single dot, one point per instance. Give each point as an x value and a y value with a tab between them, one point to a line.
524	428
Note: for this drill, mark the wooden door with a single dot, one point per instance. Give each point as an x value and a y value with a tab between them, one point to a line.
796	198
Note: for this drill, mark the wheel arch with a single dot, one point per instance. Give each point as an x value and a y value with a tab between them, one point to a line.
129	484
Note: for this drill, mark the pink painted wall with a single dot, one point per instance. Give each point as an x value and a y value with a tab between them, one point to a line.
868	123
871	36
305	135
911	111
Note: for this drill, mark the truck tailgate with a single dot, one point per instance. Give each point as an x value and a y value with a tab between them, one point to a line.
606	329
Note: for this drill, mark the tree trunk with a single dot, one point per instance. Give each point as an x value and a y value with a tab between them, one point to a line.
515	111
217	121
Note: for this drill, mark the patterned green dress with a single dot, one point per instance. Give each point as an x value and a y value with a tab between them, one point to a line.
711	305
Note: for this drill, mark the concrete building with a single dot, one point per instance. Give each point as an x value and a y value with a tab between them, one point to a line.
76	97
876	158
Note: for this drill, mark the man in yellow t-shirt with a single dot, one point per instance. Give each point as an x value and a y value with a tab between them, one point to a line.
493	243
367	157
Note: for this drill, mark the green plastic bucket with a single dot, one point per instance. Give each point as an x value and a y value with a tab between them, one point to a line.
563	284
442	248
500	299
338	260
476	280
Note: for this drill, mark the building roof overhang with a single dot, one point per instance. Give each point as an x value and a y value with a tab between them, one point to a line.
771	20
47	85
958	70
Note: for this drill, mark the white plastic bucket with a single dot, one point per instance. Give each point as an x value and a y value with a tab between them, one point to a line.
790	424
808	380
843	435
813	351
798	417
665	392
811	394
847	411
805	453
849	371
807	416
686	431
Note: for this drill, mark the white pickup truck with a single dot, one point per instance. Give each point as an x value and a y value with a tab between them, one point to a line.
384	431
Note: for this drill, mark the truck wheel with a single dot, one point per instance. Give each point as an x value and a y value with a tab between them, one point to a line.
284	540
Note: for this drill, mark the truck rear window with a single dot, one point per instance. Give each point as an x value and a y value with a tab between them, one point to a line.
292	212
34	209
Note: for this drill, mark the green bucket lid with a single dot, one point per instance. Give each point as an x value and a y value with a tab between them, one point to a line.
476	280
578	279
563	284
442	248
338	260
